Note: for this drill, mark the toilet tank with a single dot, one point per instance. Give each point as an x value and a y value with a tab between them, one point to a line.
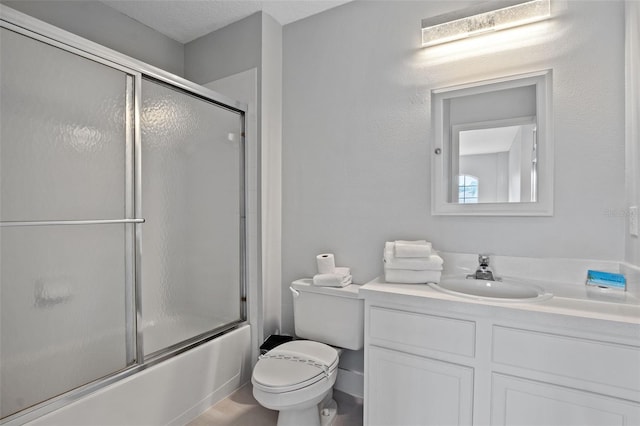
331	315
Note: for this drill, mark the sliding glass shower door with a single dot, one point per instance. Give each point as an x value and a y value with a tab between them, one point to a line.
89	150
192	200
65	120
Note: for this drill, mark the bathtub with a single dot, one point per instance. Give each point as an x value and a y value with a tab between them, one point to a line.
172	392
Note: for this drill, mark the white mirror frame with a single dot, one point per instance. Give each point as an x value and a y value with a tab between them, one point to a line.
442	146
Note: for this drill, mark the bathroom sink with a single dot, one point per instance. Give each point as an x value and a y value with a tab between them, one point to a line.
508	290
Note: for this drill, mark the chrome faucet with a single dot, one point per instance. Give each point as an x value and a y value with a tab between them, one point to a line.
483	272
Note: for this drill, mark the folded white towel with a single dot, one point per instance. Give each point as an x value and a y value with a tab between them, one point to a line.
418	248
404	276
433	262
342	270
331	280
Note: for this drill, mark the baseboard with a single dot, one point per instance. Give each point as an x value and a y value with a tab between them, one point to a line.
351	382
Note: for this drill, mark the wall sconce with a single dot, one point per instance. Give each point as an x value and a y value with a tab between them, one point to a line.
485	17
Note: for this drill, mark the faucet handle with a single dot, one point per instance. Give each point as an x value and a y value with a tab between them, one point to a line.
483	259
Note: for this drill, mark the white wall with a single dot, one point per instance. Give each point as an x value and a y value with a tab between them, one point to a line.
632	92
356	133
101	24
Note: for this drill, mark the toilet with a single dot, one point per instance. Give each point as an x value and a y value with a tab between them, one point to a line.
297	378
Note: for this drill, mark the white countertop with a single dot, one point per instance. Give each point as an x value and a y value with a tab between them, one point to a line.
568	299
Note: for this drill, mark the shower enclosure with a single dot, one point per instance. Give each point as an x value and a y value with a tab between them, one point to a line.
122	218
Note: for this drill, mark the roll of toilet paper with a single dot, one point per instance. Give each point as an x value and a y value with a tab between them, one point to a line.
326	263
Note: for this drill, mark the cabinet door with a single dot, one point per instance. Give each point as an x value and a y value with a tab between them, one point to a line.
517	401
405	389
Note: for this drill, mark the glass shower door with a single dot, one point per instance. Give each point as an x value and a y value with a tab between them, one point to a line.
192	201
65	122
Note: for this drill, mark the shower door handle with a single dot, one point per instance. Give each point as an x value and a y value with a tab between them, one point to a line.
70	222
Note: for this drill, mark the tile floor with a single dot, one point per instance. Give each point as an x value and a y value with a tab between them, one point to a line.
241	409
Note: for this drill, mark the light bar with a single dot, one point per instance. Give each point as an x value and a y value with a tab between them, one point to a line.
485	17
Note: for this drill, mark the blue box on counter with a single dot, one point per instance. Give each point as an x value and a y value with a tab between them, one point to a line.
606	279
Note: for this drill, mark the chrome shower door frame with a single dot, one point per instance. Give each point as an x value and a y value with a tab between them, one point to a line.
134	70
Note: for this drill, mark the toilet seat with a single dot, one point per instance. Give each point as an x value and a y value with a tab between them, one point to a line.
294	365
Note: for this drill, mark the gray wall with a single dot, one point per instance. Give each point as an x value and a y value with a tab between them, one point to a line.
271	84
101	24
224	52
356	134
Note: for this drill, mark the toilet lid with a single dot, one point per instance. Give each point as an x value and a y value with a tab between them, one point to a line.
294	365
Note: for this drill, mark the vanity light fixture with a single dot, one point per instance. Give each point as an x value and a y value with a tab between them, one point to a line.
485	17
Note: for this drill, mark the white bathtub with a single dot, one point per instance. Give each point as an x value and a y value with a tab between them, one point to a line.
172	392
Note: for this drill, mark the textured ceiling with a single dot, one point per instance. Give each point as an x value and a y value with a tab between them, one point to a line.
186	20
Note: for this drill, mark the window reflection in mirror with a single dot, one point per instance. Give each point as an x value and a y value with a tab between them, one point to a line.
467	189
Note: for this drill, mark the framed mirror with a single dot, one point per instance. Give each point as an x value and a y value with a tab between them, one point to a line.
492	151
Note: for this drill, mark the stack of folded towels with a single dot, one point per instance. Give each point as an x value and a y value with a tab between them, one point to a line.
411	262
330	275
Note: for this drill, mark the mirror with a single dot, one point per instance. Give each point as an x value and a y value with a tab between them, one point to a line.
494	161
492	150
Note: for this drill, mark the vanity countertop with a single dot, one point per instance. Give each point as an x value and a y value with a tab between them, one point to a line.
568	299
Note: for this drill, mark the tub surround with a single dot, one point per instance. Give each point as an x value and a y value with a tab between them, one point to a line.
571	359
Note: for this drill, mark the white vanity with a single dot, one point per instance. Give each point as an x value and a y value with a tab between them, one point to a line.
433	358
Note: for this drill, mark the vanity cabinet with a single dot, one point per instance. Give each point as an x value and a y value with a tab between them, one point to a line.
603	374
519	401
435	362
404	384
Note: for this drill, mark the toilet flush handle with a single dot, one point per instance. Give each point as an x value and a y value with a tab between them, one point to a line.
295	292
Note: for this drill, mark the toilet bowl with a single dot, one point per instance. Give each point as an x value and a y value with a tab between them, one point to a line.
297	378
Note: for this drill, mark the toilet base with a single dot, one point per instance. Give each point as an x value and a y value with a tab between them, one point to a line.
322	414
328	413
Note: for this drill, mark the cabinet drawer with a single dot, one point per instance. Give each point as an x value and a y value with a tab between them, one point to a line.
429	332
592	361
